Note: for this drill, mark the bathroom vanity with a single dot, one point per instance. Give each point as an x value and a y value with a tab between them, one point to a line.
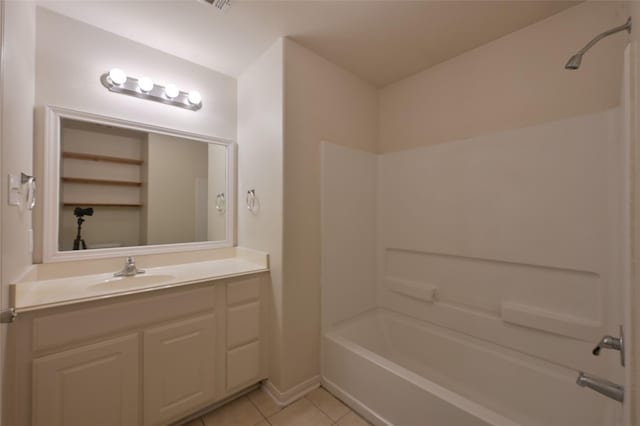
98	345
147	353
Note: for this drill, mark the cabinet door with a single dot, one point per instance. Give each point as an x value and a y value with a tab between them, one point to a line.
179	362
92	385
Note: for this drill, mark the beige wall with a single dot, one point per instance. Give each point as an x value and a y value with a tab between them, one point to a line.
349	214
173	167
72	55
515	81
16	96
322	103
17	131
260	163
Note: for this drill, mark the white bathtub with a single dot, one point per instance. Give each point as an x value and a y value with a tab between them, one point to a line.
400	371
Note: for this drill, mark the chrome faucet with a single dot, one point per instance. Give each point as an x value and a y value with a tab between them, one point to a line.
129	269
605	387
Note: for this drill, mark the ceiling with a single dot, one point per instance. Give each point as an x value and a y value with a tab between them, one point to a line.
380	41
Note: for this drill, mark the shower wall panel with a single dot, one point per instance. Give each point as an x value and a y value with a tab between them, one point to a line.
508	237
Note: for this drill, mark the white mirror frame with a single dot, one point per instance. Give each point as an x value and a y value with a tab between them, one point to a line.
51	185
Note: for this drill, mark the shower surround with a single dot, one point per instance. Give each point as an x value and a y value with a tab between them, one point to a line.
468	281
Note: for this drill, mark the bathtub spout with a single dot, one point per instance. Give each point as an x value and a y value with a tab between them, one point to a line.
605	387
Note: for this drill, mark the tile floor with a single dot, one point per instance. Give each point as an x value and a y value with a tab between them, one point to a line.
317	408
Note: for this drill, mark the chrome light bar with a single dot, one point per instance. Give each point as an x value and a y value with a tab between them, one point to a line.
117	81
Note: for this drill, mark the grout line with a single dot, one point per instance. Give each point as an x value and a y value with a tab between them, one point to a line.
266	419
344	415
256	407
343	403
320	409
337	399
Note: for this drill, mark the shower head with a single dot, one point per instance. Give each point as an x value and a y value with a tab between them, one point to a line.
576	60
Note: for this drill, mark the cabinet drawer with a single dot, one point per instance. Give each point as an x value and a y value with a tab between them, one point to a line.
92	385
69	327
243	291
243	366
243	324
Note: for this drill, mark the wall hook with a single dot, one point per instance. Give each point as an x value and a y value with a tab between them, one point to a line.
252	203
220	203
22	191
30	182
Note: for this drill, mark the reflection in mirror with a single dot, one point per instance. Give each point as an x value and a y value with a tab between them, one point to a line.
123	188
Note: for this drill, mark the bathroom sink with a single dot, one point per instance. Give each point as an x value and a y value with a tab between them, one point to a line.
121	283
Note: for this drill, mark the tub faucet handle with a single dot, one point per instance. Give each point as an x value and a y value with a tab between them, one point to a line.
610	342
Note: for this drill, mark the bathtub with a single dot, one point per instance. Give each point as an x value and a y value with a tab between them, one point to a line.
396	370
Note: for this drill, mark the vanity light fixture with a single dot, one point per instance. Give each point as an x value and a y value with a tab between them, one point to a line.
117	81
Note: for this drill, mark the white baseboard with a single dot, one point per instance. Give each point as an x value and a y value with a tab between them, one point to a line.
293	394
354	403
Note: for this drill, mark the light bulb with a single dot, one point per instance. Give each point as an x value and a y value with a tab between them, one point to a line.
194	97
117	76
145	84
171	91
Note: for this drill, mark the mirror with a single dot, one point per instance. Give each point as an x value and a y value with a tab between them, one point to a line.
120	185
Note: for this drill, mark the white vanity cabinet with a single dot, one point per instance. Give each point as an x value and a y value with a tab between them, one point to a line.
146	359
89	385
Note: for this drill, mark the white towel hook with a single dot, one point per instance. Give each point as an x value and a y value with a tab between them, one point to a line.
251	200
30	183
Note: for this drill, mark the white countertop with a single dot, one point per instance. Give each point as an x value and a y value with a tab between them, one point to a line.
45	293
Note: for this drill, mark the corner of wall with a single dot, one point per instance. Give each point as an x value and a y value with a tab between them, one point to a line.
260	165
323	102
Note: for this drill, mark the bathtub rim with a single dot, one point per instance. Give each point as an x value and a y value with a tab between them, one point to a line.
438	391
